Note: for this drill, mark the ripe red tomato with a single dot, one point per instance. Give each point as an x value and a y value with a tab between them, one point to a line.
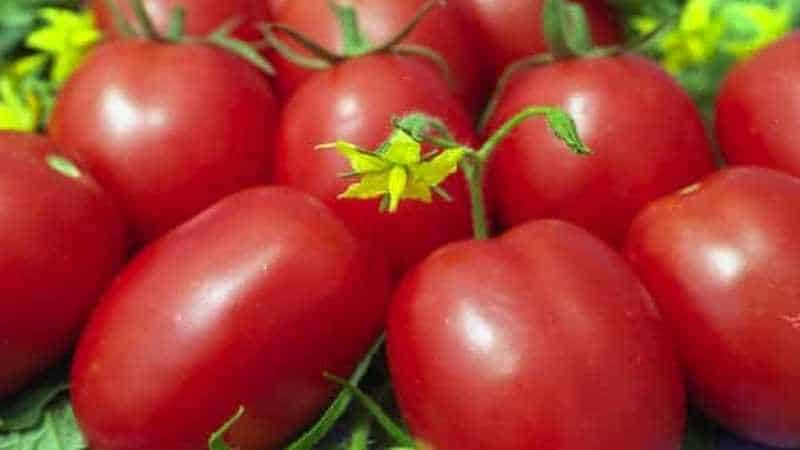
758	109
722	259
355	101
167	129
246	304
202	16
61	241
442	30
646	134
543	338
508	30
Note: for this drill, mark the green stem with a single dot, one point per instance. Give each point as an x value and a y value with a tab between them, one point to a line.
148	29
122	25
475	162
474	168
177	24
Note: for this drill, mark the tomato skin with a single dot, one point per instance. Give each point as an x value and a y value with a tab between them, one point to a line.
508	30
441	30
356	102
246	304
171	136
202	16
646	135
542	338
758	107
723	262
61	241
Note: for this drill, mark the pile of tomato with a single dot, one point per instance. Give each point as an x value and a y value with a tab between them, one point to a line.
179	230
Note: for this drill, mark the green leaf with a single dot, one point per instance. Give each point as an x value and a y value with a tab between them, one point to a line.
564	128
27	409
57	430
217	439
323	426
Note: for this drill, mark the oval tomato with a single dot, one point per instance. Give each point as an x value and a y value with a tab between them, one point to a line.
542	338
441	30
759	106
167	137
202	16
722	259
508	30
646	135
356	101
61	241
246	304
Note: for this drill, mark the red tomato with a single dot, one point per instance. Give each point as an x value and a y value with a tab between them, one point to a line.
647	136
511	29
442	30
722	259
202	16
543	338
355	101
61	241
246	304
170	136
758	109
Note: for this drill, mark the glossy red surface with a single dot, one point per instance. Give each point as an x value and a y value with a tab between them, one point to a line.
202	16
167	129
759	107
442	30
646	135
356	102
542	338
507	30
246	304
722	260
62	240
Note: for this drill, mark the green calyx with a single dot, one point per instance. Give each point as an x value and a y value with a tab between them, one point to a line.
221	38
354	42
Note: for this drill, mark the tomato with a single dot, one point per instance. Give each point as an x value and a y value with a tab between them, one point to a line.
61	240
167	129
246	304
441	30
722	260
355	101
542	338
759	106
511	29
646	134
202	16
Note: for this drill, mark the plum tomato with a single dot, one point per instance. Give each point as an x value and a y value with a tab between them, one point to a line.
202	16
508	30
441	30
355	101
722	260
758	109
61	241
646	135
541	338
244	305
167	129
